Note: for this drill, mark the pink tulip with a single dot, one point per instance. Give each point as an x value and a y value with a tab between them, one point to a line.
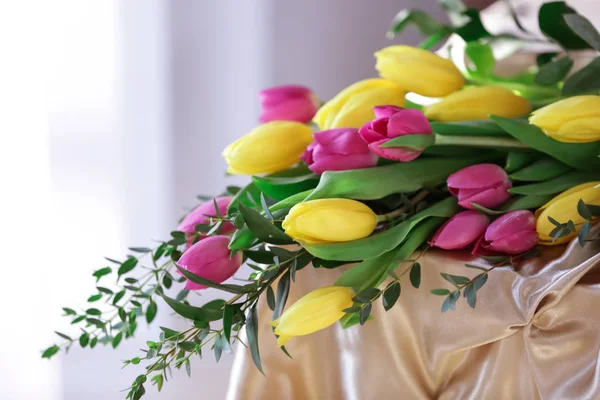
210	258
338	150
484	184
288	103
202	214
512	233
460	231
391	122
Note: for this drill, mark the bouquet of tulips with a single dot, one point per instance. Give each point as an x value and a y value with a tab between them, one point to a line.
369	180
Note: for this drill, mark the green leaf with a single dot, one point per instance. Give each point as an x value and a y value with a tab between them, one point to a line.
187	346
78	319
242	239
473	30
94	298
104	290
128	265
422	21
158	381
270	298
252	334
101	272
584	211
151	311
283	290
554	72
471	294
263	228
456	280
556	185
552	24
440	292
203	281
518	160
281	185
391	295
482	57
584	80
493	259
378	182
191	312
525	202
364	313
584	232
352	309
584	28
541	170
578	155
228	311
93	311
383	242
367	295
169	333
84	339
469	128
62	335
69	311
414	141
480	280
140	249
415	275
117	339
243	197
118	296
50	351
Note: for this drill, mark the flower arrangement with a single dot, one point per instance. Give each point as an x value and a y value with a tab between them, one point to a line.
497	166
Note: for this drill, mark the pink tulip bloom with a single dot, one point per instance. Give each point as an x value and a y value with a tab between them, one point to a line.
288	103
210	258
460	231
512	233
391	122
202	214
338	150
484	184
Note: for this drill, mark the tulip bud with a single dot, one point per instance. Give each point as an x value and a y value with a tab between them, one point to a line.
268	148
315	311
564	208
338	150
353	106
392	122
478	103
288	103
329	221
419	71
512	233
572	120
210	258
484	184
460	231
202	214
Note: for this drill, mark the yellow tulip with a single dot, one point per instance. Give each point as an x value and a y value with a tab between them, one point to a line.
564	208
353	106
478	103
313	312
419	71
329	221
268	148
572	120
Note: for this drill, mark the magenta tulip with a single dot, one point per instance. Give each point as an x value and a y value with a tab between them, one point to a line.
288	103
512	233
202	214
338	150
484	184
460	231
391	122
210	258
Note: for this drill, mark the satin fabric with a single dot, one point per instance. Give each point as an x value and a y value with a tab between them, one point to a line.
534	334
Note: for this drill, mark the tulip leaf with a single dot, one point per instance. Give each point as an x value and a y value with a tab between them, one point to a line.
556	185
242	239
250	191
252	334
577	155
482	57
203	281
452	151
378	182
207	314
284	184
541	170
290	201
468	128
584	80
525	202
552	24
383	242
584	28
554	72
262	227
516	161
423	21
416	141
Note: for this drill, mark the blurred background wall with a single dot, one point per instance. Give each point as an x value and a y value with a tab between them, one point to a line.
123	109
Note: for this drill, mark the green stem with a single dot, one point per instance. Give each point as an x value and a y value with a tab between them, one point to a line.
523	89
479	141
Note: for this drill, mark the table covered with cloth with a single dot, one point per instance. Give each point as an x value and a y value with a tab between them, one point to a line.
534	334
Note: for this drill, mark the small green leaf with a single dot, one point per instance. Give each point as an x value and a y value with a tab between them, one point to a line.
252	334
151	311
104	290
554	72
187	346
584	28
584	80
364	313
352	310
482	57
367	296
122	314
456	280
102	272
84	339
415	275
116	340
78	319
50	351
422	21
69	311
584	232
391	295
259	256
471	294
584	211
228	312
440	292
62	335
552	23
94	298
206	282
270	298
127	266
283	290
93	311
480	280
263	228
140	249
118	297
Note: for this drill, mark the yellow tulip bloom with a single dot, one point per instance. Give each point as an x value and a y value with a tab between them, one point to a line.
572	120
564	208
353	106
329	221
268	148
313	312
419	71
478	103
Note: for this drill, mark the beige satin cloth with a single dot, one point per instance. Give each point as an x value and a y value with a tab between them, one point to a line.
534	334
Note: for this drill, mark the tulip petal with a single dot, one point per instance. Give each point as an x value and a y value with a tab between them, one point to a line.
460	231
385	111
490	198
406	122
516	243
394	153
509	224
477	176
